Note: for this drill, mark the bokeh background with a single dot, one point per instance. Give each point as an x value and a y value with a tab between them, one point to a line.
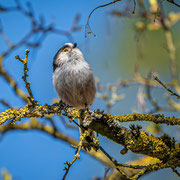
112	55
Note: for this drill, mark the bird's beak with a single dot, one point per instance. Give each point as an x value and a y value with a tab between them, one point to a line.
75	45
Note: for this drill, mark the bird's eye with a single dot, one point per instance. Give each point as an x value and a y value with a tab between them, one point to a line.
65	50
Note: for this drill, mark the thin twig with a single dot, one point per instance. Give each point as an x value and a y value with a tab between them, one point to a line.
79	147
5	103
175	171
80	126
134	6
172	1
117	164
169	90
24	61
87	27
150	168
69	164
148	88
106	172
158	11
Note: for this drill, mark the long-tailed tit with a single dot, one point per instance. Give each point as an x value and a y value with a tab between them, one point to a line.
73	78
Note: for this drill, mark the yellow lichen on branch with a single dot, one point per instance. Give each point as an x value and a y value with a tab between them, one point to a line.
40	111
28	112
133	139
156	118
137	141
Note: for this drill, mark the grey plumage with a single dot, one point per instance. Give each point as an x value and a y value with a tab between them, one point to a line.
73	78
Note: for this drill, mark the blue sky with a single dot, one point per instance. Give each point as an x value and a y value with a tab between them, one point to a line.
34	155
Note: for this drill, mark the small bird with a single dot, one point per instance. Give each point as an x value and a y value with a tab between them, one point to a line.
73	79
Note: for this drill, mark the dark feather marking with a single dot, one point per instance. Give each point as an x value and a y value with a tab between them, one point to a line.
60	50
55	65
74	45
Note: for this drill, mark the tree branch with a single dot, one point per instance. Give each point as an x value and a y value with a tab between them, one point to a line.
137	141
164	86
172	1
133	139
87	27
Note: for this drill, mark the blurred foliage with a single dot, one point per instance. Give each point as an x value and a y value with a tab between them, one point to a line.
144	43
6	175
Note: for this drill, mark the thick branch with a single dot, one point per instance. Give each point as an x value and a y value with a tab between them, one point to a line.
40	111
156	118
135	140
131	169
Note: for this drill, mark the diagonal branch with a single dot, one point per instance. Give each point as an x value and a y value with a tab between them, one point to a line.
137	141
172	1
133	139
164	86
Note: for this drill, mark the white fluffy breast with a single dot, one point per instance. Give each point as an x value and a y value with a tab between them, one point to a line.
74	80
75	85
